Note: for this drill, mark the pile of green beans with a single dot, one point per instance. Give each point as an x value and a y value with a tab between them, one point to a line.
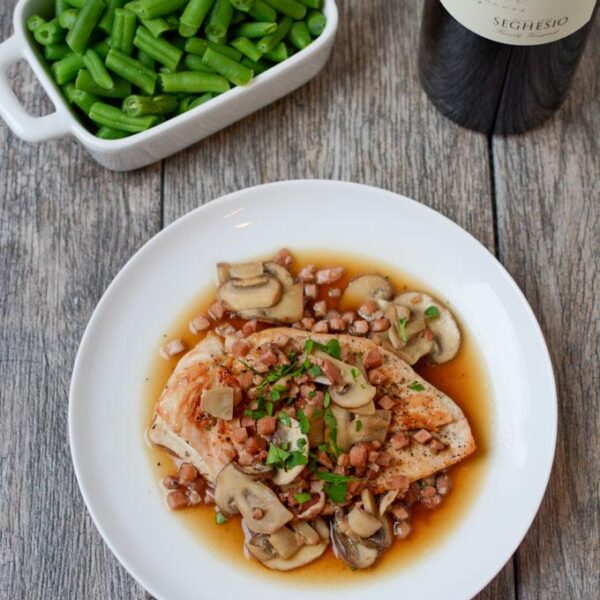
126	66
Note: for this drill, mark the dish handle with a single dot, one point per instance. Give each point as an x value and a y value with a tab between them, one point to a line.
31	129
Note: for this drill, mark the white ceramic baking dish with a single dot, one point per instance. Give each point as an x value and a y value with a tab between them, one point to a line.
167	138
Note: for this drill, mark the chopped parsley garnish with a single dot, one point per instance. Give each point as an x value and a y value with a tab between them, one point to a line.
331	423
276	392
358	424
303	420
312	393
220	518
332	347
284	418
248	366
314	371
302	497
336	486
354	372
260	411
322	447
281	458
301	444
269	408
326	399
432	312
416	386
402	329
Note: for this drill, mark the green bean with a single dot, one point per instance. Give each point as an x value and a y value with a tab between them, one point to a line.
193	15
106	22
316	22
260	11
156	26
189	102
87	19
66	69
93	63
270	41
173	22
257	67
192	82
76	3
34	22
194	63
198	46
230	69
49	33
84	100
56	51
299	35
110	133
102	48
60	6
247	48
111	116
201	100
146	60
123	31
255	30
218	21
139	106
84	82
160	50
289	8
150	9
318	4
243	5
278	54
68	18
131	70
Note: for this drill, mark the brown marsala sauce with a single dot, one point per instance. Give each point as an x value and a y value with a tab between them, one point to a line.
463	379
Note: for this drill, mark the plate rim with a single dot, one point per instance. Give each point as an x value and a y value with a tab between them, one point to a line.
216	205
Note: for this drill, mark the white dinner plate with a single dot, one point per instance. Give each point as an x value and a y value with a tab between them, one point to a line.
106	404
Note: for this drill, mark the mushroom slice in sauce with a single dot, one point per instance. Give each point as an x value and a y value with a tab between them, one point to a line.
218	402
308	534
354	391
227	271
438	319
281	273
386	501
289	310
367	287
285	542
362	523
261	548
290	437
257	471
252	293
236	492
348	547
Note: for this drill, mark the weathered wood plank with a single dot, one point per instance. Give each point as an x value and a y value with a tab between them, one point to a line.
66	226
364	118
548	190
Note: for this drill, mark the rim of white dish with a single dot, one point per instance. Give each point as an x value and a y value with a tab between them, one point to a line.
218	205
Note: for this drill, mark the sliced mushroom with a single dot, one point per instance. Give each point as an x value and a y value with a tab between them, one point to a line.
354	391
349	547
362	523
369	503
285	542
419	347
342	419
383	537
218	402
257	470
386	501
308	534
281	273
373	427
314	509
367	287
367	409
259	546
227	271
443	325
289	310
321	528
253	293
290	438
236	492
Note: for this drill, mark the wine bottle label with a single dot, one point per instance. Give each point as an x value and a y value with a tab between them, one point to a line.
521	22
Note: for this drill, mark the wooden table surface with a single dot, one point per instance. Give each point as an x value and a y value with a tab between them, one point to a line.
67	226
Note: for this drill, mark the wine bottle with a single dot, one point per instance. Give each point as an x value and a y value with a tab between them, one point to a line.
501	66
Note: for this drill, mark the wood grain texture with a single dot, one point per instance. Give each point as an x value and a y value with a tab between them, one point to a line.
66	227
548	198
